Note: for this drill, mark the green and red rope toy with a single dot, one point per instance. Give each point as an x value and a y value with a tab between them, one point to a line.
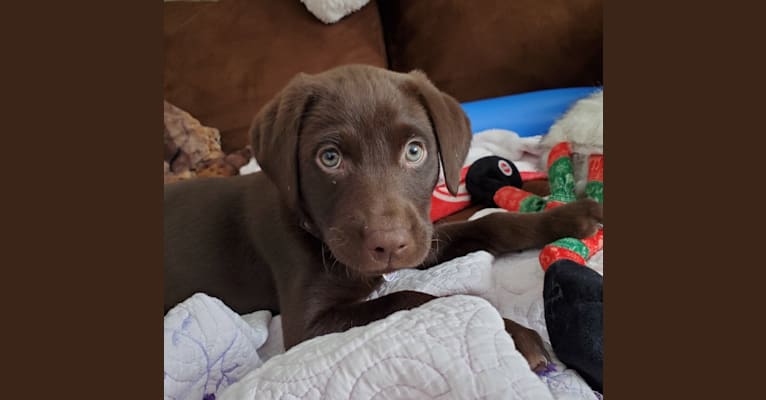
562	183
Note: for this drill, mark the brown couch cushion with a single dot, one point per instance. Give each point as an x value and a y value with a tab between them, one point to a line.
486	48
225	59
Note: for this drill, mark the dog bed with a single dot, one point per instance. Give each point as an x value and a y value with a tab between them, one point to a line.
452	347
527	114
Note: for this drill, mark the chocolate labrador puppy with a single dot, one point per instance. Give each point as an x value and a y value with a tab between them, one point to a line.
350	158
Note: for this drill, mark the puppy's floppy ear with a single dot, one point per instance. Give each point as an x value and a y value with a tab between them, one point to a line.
450	124
274	137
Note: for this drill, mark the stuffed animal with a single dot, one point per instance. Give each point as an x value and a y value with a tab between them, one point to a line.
561	178
573	155
574	317
331	11
187	134
495	182
582	126
572	293
488	184
485	173
192	149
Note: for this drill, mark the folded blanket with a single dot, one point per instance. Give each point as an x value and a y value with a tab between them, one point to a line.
208	347
450	348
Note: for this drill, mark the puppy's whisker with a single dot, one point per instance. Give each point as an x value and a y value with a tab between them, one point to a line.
324	263
436	242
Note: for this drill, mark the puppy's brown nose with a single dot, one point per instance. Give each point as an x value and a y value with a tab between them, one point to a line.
386	245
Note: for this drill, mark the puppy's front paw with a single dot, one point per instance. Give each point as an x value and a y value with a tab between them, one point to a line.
530	345
578	219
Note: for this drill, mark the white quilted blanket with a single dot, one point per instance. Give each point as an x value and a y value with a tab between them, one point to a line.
450	348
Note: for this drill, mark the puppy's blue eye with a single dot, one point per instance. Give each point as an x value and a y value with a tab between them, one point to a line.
415	152
330	158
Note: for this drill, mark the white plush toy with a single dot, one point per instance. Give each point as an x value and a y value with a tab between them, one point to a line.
583	127
331	11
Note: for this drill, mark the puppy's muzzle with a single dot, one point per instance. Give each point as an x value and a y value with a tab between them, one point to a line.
388	246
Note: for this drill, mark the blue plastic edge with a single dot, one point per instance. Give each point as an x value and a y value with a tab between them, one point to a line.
527	114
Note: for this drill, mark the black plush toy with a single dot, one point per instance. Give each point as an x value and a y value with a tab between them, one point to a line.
572	293
489	174
574	312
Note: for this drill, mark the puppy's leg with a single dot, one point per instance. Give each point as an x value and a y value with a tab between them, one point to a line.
501	233
346	316
529	344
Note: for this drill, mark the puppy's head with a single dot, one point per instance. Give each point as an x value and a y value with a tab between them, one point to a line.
355	152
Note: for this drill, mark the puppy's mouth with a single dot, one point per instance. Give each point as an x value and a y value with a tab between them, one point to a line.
391	266
374	261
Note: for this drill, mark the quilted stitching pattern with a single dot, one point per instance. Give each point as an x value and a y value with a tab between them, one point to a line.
208	346
453	347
